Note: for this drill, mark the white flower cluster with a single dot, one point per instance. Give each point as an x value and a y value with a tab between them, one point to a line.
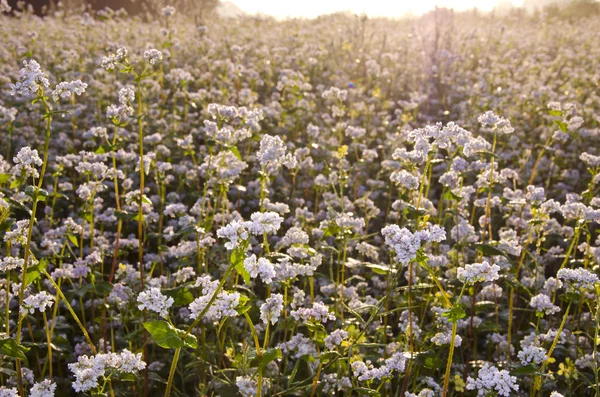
39	302
334	383
366	371
25	163
18	235
31	79
10	263
532	355
223	306
542	303
318	312
154	301
67	88
491	379
271	152
335	338
261	267
152	55
108	62
492	120
6	392
248	387
444	338
271	309
406	244
478	272
423	393
238	230
87	370
579	278
44	388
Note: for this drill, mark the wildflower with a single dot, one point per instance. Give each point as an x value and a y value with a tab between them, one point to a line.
335	338
543	303
262	267
6	392
532	355
579	278
234	232
154	301
491	379
406	244
478	272
318	312
18	235
31	79
39	302
25	163
66	89
272	150
264	222
271	309
153	55
44	388
223	306
87	369
10	263
168	11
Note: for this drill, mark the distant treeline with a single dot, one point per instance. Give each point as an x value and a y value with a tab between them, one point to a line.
133	7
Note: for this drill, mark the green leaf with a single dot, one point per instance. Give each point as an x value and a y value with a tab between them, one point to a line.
455	314
10	347
237	259
235	151
266	357
169	337
489	250
368	392
379	269
4	178
243	305
526	370
181	295
103	288
73	240
34	272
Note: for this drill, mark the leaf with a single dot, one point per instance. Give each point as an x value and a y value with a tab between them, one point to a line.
237	258
243	305
267	356
10	347
73	240
235	151
103	288
455	314
526	370
4	178
489	250
380	269
167	336
368	392
34	272
181	295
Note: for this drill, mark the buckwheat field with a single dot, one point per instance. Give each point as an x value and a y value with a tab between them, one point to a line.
343	206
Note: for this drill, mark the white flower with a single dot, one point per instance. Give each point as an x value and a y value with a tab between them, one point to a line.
234	232
335	338
154	301
532	354
43	389
318	312
543	303
66	89
87	369
478	272
264	222
579	278
271	309
153	55
168	11
18	235
25	163
272	150
39	302
490	379
261	267
6	392
31	79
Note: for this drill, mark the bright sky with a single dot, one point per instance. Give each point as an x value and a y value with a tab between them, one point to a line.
390	8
